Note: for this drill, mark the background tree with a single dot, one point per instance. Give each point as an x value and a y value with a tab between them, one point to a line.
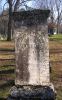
4	23
58	5
11	2
13	6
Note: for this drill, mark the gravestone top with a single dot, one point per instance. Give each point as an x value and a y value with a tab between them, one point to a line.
30	17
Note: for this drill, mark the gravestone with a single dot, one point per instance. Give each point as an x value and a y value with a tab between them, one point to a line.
32	56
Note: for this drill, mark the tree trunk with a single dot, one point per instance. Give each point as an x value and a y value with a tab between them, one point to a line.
9	30
58	23
10	21
57	28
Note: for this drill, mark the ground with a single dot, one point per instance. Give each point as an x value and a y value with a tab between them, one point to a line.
7	65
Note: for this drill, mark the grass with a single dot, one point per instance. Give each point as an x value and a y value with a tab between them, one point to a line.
55	63
5	45
59	92
55	45
4	92
6	67
6	63
56	37
7	56
55	57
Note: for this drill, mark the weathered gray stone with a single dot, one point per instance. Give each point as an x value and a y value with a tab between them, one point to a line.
32	48
42	93
32	57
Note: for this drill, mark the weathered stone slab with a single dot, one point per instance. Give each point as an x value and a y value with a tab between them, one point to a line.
32	55
34	93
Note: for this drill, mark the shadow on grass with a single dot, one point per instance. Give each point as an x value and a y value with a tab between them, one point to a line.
7	71
8	83
3	99
4	89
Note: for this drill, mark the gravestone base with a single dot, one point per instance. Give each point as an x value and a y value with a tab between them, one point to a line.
31	93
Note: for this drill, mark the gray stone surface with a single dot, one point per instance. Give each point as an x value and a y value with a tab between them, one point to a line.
32	55
34	93
32	58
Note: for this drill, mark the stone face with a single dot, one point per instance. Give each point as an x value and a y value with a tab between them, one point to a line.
32	55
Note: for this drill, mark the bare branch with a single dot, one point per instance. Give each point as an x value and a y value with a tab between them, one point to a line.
4	6
16	4
22	2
